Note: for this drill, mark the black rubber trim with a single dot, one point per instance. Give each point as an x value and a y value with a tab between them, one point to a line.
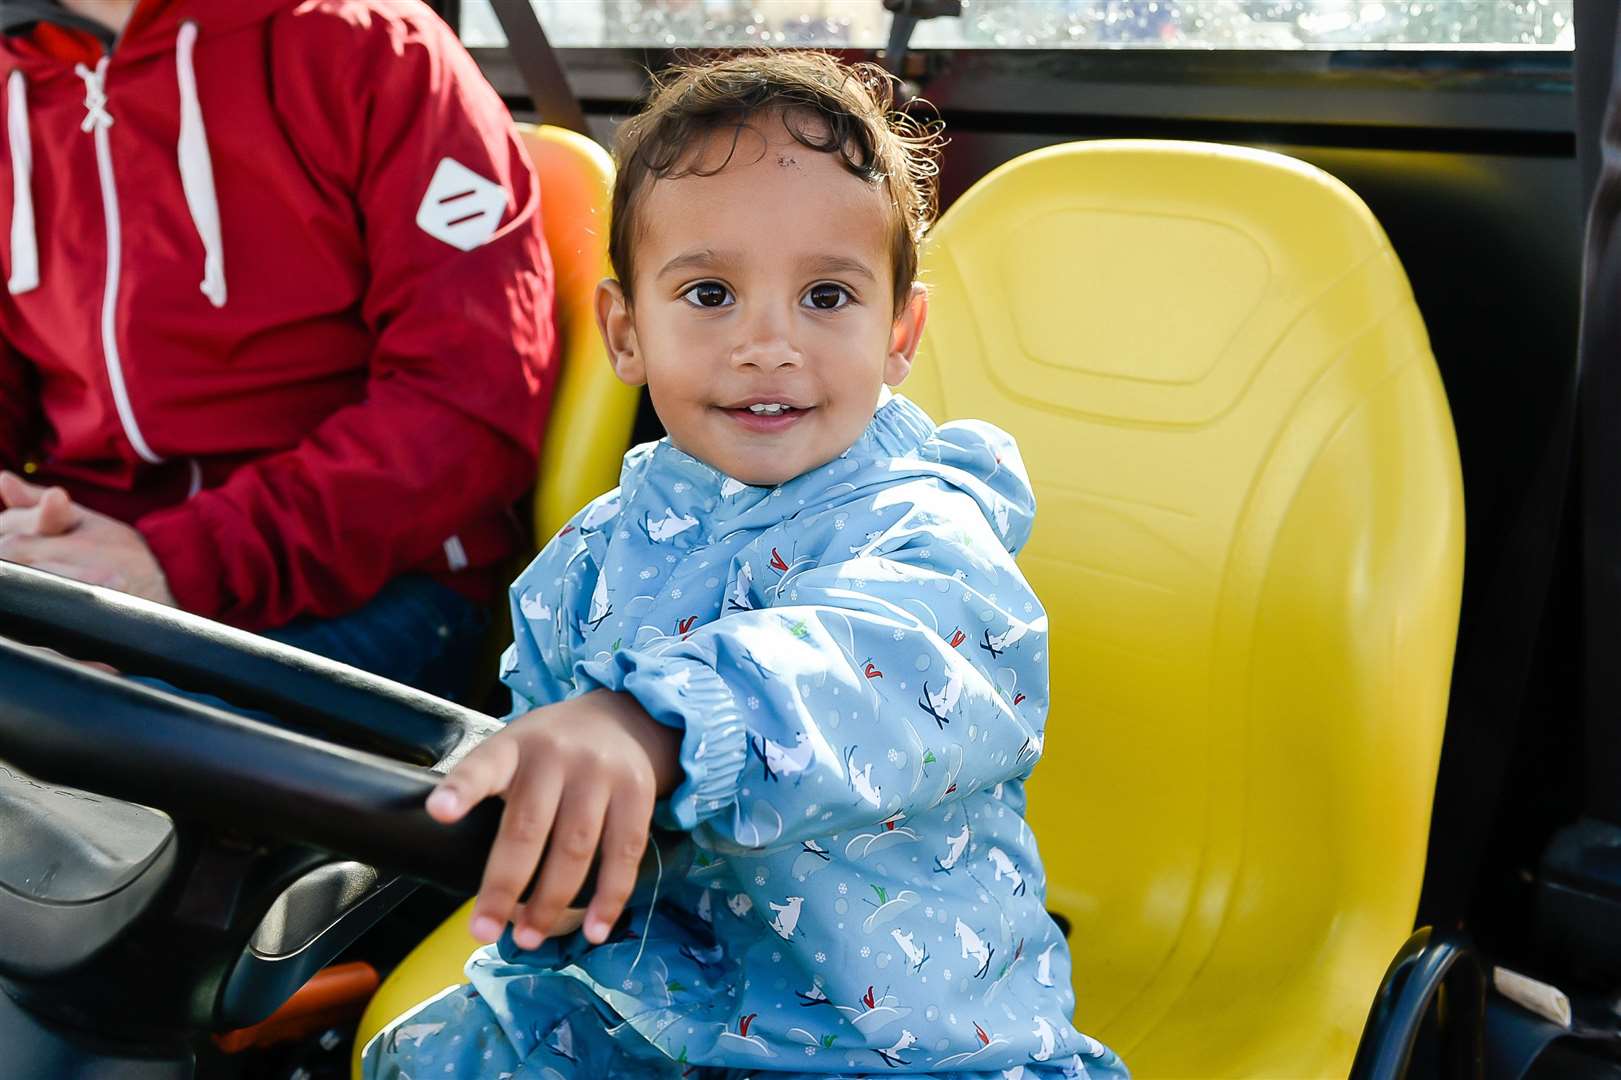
251	672
68	724
1427	965
1510	143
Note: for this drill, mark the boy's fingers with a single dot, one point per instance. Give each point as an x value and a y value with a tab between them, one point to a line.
567	923
568	859
525	825
487	770
624	840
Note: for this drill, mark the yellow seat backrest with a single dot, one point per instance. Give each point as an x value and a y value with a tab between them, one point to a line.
593	412
587	435
1249	539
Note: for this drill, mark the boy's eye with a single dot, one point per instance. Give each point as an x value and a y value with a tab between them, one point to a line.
709	294
827	296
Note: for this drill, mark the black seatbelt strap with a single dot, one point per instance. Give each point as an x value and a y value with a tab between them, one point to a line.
1577	927
1495	654
1599	113
537	62
1504	615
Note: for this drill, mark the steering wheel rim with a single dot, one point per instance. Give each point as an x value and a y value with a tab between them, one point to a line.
343	762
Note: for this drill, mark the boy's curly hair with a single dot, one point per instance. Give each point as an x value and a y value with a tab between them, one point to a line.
860	123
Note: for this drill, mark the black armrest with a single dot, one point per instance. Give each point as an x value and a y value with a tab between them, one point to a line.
1428	966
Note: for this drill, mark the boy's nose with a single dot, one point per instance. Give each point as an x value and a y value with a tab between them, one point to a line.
766	347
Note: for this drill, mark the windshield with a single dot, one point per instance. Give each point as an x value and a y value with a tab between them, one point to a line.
1051	24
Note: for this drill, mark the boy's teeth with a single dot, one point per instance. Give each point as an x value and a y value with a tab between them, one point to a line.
771	409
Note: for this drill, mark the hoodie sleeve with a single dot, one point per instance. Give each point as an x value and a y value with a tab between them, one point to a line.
19	408
549	599
459	304
871	687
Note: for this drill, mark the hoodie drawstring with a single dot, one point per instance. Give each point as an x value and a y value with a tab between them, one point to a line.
196	168
197	171
96	115
24	245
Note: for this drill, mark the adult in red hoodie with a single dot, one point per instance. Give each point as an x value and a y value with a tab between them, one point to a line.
277	315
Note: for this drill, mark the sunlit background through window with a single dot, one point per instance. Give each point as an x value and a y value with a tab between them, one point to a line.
1051	24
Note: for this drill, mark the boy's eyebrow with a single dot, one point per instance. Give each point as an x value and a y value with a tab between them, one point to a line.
709	258
839	264
697	259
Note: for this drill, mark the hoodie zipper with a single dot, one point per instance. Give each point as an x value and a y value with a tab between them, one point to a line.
96	121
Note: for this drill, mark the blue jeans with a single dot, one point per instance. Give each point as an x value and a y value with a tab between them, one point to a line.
416	631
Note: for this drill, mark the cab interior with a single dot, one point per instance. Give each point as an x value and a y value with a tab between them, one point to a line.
1285	301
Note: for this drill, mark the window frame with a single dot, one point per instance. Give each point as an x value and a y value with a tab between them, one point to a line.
1522	101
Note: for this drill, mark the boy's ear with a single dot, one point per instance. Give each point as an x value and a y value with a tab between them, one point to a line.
618	331
905	335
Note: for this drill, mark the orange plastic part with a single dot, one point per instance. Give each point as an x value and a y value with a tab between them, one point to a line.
335	995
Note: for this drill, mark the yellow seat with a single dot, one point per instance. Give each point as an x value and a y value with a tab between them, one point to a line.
1249	538
586	438
593	412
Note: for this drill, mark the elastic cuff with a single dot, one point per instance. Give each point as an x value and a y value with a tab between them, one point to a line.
685	694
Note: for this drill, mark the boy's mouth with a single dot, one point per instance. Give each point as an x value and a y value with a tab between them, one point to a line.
766	416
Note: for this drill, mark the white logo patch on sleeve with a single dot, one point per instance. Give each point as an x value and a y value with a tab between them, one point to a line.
461	207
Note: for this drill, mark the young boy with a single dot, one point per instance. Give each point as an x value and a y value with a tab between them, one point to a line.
798	625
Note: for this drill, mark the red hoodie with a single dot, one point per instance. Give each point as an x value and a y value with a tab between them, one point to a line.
277	294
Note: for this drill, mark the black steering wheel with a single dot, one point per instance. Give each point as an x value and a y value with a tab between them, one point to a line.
169	868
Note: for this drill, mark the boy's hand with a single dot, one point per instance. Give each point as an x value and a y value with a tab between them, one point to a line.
581	774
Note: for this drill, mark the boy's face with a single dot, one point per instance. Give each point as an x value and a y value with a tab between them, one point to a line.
768	283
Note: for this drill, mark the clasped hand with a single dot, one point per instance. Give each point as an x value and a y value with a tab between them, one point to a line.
44	528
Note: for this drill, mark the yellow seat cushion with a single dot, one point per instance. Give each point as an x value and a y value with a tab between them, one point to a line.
1249	539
